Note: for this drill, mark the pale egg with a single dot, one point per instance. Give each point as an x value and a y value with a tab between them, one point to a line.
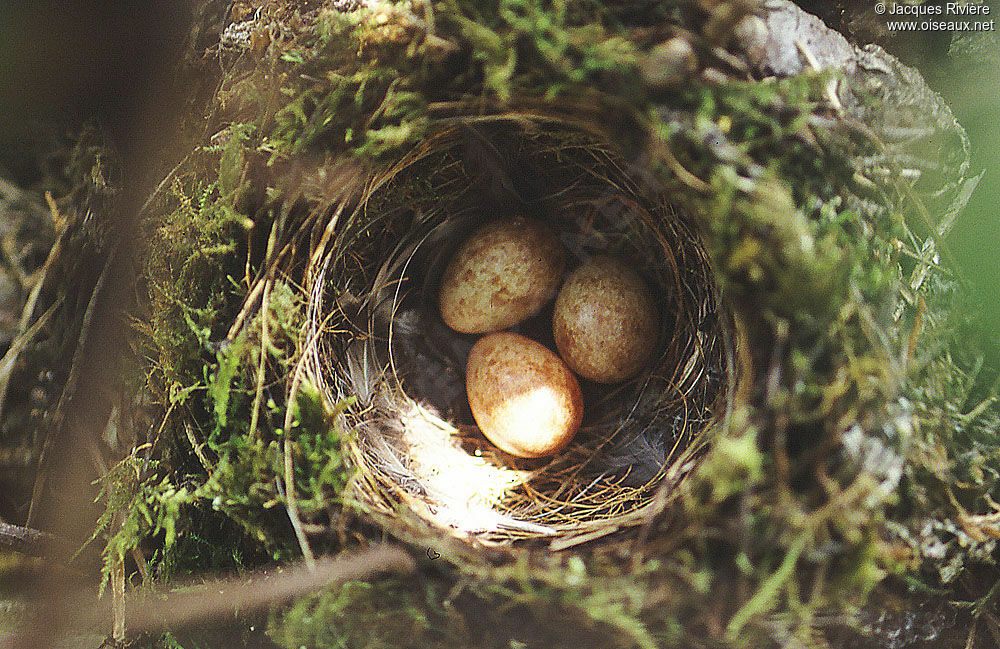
523	397
502	275
605	321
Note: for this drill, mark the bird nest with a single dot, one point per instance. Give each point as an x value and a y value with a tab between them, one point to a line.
377	338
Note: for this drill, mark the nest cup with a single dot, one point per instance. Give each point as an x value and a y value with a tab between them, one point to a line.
378	335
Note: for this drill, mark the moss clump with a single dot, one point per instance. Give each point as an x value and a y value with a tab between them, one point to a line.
374	616
198	251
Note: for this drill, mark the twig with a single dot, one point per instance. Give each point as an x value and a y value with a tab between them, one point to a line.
292	506
13	268
163	183
9	360
196	447
264	589
328	231
251	300
26	332
29	541
225	597
140	563
265	336
156	439
668	158
265	342
118	597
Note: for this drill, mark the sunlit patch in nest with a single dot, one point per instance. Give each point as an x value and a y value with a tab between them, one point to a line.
380	337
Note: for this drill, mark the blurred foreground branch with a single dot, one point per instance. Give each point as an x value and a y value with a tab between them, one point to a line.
187	606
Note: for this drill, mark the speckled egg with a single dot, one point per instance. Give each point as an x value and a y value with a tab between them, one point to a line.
605	321
524	398
502	275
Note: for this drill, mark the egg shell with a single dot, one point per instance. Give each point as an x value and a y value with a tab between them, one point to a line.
605	321
523	397
502	275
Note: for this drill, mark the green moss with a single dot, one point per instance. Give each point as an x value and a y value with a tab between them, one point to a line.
208	541
362	82
137	509
386	615
193	269
432	613
776	526
224	392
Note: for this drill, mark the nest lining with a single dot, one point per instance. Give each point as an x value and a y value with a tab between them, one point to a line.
377	335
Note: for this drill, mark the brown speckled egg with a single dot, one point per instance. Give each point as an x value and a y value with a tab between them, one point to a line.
605	321
524	398
502	275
